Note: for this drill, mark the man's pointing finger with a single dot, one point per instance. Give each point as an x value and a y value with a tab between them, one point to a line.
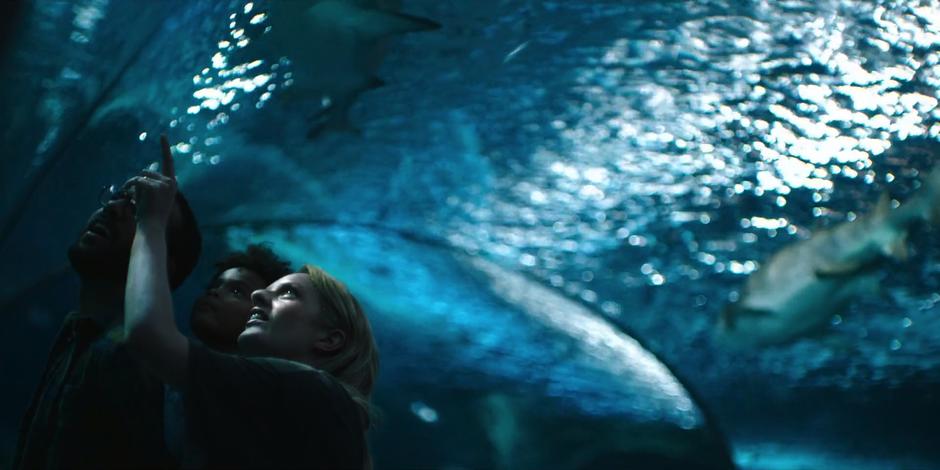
167	166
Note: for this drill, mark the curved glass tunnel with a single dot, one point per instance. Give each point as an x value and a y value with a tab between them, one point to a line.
541	204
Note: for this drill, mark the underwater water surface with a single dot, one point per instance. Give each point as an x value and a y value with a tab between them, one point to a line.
545	205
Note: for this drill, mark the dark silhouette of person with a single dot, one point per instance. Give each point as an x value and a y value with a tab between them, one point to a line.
96	406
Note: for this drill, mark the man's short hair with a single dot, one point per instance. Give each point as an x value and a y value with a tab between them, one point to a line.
184	243
258	258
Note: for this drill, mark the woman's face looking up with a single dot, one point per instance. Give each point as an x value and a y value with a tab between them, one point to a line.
287	321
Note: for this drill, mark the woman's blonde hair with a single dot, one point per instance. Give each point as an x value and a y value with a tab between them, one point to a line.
356	364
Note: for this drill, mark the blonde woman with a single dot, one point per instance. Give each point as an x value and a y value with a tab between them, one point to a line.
299	395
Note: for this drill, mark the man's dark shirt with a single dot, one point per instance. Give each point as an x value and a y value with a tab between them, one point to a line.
268	413
95	405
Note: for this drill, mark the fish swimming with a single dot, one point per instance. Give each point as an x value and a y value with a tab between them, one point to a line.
335	48
802	286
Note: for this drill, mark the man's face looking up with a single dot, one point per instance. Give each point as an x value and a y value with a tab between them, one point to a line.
103	248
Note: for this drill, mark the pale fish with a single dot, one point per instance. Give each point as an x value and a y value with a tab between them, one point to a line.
799	290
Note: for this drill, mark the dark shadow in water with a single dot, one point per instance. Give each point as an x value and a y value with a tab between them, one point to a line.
646	461
12	13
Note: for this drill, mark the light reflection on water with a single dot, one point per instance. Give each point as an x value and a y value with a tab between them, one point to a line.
686	151
775	102
222	87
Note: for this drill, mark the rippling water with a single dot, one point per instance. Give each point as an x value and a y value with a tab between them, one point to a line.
640	157
647	157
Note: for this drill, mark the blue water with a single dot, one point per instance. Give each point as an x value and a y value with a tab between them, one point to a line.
637	159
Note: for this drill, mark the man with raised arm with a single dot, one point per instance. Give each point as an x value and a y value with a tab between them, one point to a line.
95	406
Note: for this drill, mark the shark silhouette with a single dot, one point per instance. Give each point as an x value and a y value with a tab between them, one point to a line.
335	48
803	285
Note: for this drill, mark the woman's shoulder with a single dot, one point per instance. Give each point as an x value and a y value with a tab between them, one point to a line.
294	382
313	392
302	376
281	365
